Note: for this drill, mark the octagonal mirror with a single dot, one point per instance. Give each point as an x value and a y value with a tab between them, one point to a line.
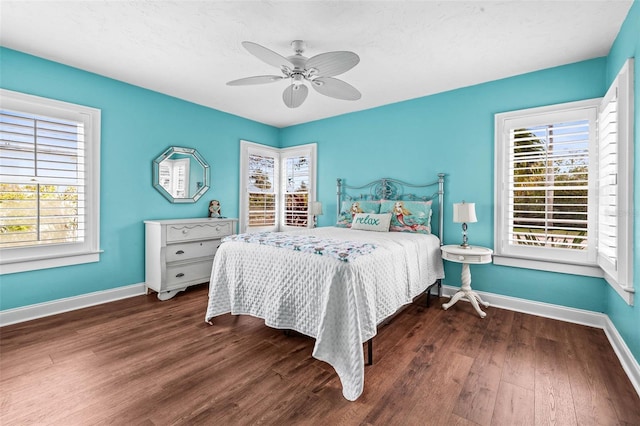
181	175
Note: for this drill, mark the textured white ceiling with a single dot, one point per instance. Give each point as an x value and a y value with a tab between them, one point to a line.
407	49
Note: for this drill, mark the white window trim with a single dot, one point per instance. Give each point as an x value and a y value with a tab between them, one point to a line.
279	153
22	259
533	257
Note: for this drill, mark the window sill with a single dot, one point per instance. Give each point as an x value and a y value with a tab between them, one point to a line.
51	262
541	265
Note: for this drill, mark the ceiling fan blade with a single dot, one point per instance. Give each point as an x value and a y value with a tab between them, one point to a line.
267	55
335	88
293	96
333	63
260	79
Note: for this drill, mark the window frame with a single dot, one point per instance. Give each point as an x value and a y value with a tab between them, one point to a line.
543	258
280	154
30	258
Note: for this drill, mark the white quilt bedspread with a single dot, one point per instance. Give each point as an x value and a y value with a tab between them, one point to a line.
338	303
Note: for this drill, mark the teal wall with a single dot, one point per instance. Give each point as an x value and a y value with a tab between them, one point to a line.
137	126
452	132
627	45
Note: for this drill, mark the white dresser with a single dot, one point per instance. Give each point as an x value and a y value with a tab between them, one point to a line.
179	252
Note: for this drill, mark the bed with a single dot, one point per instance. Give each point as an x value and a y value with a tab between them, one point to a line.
338	283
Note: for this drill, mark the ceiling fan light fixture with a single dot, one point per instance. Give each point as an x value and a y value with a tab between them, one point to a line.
297	79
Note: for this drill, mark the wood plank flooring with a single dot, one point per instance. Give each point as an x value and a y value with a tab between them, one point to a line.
140	361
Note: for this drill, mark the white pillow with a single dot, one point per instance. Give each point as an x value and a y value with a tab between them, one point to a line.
371	222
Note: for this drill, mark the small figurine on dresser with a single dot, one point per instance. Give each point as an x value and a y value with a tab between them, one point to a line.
214	208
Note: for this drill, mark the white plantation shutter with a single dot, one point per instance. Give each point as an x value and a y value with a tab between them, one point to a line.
262	184
608	183
49	171
615	190
548	185
41	180
297	176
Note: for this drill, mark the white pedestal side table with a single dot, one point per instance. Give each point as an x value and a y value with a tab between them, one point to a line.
467	256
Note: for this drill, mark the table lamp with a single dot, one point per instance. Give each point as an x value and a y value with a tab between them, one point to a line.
464	213
316	210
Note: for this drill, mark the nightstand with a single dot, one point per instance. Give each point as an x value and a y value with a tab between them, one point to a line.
467	256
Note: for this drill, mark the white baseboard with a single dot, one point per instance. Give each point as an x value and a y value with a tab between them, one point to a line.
629	363
562	313
40	310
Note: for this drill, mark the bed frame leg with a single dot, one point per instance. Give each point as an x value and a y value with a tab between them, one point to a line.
438	283
370	351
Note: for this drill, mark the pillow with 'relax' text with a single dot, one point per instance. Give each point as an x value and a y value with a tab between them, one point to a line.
372	222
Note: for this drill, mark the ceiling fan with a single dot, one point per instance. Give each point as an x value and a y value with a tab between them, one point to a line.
318	70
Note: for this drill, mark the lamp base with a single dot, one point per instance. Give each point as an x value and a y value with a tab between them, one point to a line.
464	244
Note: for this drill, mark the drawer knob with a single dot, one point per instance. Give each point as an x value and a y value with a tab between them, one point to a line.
180	252
184	231
179	275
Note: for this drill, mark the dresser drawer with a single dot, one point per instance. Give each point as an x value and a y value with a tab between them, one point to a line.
466	258
186	251
199	231
184	274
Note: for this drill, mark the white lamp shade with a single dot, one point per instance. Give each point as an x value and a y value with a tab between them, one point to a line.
464	212
316	208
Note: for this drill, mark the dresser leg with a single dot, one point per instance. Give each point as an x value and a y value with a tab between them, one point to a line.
166	295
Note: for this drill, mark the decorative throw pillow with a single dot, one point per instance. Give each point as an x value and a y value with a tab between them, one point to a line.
372	222
408	216
350	208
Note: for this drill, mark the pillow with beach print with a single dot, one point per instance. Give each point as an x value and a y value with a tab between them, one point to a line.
349	209
408	216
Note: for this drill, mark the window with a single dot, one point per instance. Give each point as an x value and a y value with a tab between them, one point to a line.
276	187
49	183
545	155
563	196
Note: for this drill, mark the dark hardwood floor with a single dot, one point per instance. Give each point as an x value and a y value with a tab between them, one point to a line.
140	361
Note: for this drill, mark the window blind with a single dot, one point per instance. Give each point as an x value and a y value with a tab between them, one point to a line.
42	180
608	180
548	178
261	190
296	194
